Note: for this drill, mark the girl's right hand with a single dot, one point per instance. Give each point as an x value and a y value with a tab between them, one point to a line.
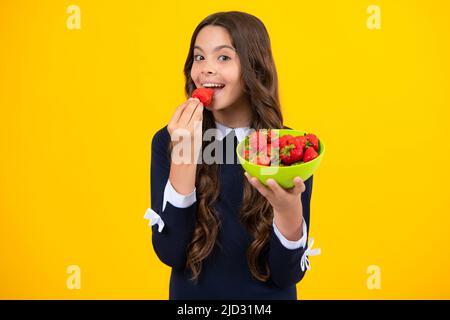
187	117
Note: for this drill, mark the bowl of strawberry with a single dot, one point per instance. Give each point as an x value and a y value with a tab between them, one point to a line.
280	154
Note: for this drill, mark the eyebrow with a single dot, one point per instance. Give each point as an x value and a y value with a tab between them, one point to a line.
217	48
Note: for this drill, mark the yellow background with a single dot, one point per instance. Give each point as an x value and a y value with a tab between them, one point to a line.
78	109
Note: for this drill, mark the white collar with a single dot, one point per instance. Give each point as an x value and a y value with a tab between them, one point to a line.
241	132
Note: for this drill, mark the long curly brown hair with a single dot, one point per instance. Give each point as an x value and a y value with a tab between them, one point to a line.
252	43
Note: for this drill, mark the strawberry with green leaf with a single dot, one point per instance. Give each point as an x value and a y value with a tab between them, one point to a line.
291	149
312	141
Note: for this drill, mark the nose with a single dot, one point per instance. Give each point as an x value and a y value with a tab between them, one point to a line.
208	68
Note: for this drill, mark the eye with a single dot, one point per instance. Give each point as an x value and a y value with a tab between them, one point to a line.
196	57
199	57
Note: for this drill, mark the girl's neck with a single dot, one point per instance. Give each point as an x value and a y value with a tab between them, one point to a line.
237	115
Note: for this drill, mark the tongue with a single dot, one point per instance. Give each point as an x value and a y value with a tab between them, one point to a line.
217	89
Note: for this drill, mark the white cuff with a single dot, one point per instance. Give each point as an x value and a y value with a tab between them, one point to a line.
304	262
176	199
154	219
292	244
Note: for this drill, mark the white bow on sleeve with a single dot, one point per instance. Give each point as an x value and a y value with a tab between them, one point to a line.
304	263
154	219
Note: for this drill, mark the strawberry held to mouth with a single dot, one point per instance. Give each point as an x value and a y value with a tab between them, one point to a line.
205	95
206	92
215	86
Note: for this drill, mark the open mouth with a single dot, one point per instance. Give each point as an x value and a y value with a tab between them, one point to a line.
217	87
217	90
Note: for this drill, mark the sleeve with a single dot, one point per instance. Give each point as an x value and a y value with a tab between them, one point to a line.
171	240
288	261
288	243
177	199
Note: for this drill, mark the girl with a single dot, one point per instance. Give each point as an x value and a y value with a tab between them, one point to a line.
226	235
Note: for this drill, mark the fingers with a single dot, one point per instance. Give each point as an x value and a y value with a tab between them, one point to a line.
188	112
174	121
178	112
266	192
299	186
197	114
275	187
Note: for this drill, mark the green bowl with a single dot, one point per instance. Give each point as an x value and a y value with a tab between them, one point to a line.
284	175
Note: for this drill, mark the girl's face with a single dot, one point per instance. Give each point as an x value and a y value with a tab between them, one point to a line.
216	61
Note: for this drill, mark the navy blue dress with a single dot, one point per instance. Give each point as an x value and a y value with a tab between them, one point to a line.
225	273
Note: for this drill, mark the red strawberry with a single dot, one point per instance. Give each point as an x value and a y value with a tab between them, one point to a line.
312	141
262	159
273	138
259	157
310	154
269	135
284	140
291	149
286	137
295	155
205	95
302	141
258	140
246	154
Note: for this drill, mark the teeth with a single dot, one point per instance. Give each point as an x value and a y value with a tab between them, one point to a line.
213	85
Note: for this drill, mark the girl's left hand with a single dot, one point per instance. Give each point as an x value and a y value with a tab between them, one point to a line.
282	200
